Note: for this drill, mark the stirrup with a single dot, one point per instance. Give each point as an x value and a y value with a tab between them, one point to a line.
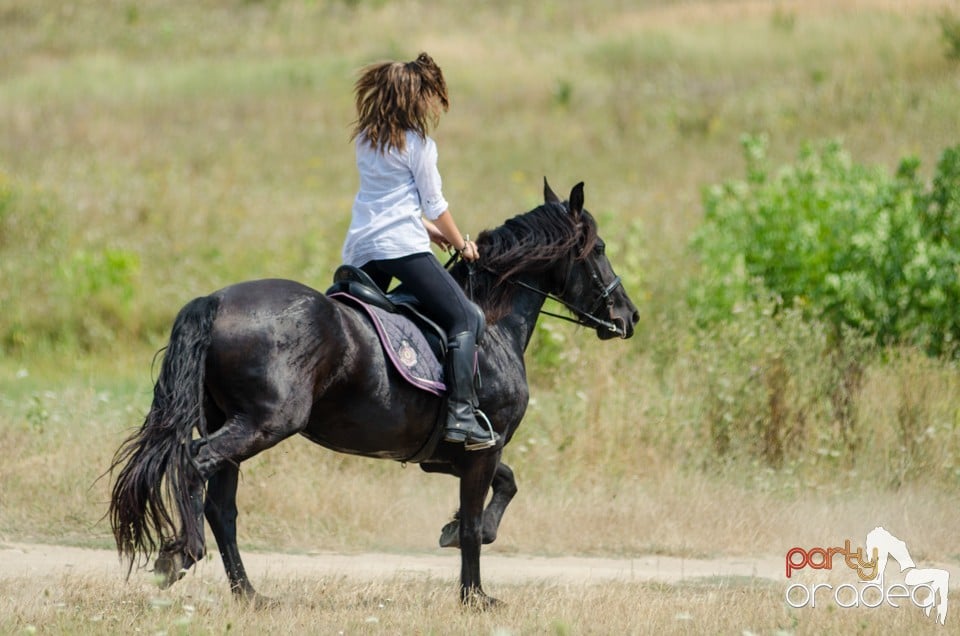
463	436
482	444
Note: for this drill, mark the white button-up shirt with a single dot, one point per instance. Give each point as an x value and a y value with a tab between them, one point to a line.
396	189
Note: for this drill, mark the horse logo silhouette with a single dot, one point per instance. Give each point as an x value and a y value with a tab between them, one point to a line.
883	545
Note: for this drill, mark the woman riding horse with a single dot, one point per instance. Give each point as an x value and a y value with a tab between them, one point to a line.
257	362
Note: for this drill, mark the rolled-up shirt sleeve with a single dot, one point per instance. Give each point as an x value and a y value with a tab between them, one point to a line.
426	175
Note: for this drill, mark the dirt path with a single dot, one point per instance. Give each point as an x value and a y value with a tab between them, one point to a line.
39	560
19	560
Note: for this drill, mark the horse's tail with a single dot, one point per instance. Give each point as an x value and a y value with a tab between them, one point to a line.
157	471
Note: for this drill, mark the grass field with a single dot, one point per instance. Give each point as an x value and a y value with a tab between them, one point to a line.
151	152
79	605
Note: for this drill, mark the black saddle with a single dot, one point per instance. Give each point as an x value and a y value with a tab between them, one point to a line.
355	282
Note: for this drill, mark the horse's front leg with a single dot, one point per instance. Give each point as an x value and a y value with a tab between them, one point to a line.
476	476
504	488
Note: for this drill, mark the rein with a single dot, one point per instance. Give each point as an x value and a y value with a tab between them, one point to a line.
583	318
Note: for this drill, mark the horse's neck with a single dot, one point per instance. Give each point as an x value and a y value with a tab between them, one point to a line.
517	327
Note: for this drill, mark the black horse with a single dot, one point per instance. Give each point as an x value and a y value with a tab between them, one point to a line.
257	362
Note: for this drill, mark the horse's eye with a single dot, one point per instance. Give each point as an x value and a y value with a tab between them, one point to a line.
599	249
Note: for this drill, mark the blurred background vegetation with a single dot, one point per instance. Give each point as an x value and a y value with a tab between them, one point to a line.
154	151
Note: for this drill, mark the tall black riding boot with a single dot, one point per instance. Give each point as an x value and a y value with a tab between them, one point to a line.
463	417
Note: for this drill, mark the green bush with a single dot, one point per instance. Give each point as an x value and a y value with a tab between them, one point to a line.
772	386
950	33
847	243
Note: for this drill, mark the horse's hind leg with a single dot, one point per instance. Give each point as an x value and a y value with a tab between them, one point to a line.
174	560
177	556
504	488
221	512
242	436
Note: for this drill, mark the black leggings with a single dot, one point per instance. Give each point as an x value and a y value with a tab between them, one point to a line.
441	298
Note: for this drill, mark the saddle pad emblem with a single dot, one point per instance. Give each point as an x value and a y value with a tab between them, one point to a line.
407	354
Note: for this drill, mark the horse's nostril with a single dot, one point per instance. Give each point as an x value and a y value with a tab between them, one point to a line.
636	317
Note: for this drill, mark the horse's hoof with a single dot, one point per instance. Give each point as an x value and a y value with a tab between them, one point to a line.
450	535
260	602
168	569
480	602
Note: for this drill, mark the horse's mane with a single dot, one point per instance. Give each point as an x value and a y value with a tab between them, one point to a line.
534	243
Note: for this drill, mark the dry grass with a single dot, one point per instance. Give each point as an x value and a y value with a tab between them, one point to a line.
682	13
81	605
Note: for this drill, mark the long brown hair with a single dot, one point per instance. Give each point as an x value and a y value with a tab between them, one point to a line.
394	97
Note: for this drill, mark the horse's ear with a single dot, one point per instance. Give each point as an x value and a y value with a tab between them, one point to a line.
549	196
576	199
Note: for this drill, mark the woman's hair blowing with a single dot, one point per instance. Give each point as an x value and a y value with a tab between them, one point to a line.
394	97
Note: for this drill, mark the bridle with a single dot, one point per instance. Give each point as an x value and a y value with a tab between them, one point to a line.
584	318
588	318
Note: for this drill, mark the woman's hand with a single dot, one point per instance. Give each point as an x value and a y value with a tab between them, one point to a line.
469	251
